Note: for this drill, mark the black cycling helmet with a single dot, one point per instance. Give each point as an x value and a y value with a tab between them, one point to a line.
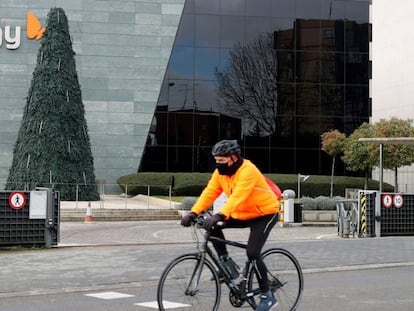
226	148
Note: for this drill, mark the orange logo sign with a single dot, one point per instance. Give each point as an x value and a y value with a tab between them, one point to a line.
34	28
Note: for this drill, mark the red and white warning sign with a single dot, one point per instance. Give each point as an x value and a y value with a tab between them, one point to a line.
387	200
17	200
398	200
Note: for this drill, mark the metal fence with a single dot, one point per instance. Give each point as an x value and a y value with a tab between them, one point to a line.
108	192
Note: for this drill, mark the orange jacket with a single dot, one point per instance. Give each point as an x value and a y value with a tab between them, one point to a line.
249	195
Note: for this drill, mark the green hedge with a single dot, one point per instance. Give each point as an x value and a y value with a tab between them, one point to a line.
191	184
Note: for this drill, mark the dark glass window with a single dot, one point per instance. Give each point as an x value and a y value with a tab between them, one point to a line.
283	8
356	68
308	34
303	158
332	68
207	30
205	96
180	95
284	38
233	7
356	37
285	66
332	36
205	62
319	82
337	10
356	10
308	9
356	101
256	26
185	34
181	64
307	67
332	100
308	132
207	7
258	7
307	99
232	31
332	123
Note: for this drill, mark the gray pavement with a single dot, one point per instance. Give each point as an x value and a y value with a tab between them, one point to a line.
101	255
104	254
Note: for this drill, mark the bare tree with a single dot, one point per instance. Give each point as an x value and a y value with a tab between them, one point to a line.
248	84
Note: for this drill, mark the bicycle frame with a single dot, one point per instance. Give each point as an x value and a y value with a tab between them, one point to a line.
239	290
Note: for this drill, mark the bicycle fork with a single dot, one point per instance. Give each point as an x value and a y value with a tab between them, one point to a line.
192	288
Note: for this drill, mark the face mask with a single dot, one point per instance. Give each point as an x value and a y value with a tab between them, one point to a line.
224	169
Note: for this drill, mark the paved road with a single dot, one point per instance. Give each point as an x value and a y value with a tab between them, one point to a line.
128	252
148	232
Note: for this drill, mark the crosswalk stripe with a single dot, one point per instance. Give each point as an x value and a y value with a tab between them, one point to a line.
109	295
167	305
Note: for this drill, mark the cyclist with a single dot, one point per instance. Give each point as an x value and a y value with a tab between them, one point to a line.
251	203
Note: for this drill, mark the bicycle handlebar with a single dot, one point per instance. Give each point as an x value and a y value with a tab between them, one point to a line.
199	221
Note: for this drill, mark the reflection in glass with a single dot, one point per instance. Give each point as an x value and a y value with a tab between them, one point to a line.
256	26
233	7
307	67
332	68
308	34
356	104
308	132
356	68
307	99
308	9
185	33
304	72
332	100
258	7
332	36
232	31
248	86
205	61
207	30
282	8
180	65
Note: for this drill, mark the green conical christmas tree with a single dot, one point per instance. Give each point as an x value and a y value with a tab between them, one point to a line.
52	147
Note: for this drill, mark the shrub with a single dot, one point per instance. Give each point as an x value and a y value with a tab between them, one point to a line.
135	184
192	184
320	203
187	203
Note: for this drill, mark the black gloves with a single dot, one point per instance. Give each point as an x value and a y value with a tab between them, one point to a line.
188	219
210	222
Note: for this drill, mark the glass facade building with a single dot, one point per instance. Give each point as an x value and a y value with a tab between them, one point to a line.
274	74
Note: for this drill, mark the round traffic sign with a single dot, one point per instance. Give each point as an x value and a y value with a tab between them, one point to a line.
17	200
387	200
398	200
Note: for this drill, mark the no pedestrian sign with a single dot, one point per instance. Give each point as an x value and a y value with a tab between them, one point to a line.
17	200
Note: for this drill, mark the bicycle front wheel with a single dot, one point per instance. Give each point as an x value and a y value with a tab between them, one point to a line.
188	283
285	278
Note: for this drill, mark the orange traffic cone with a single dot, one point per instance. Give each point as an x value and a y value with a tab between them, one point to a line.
88	217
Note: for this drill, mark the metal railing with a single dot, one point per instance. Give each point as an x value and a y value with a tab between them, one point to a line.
348	217
107	193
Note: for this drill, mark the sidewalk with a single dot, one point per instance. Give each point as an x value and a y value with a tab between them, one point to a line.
142	207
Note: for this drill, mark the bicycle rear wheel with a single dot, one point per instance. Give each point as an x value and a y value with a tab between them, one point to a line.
285	278
186	284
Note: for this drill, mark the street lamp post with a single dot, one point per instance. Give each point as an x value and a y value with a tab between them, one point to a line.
300	177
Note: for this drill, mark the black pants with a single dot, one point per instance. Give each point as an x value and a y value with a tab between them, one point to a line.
259	231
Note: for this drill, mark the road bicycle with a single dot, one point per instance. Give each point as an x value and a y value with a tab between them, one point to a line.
191	281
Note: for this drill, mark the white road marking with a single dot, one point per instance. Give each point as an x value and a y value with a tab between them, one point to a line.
167	305
325	236
109	295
